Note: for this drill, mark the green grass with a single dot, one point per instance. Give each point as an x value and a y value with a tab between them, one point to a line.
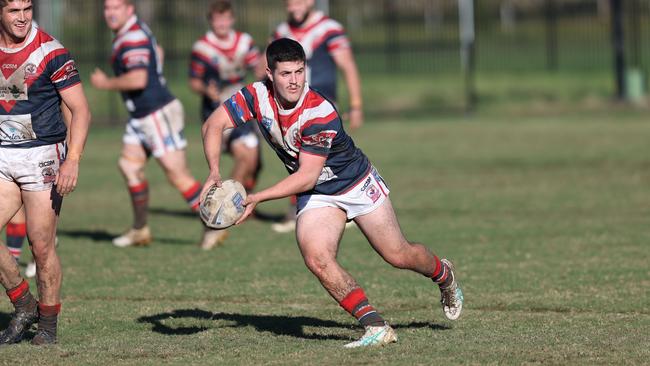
545	215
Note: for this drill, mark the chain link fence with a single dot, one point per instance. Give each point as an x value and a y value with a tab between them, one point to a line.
390	37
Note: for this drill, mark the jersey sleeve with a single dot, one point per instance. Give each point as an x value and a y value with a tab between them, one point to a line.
241	106
336	39
136	55
198	63
252	57
319	132
63	70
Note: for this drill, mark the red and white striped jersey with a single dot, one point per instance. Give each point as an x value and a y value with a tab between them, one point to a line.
313	126
320	37
32	77
223	61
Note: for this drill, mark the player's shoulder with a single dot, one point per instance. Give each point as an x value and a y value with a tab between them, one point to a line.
316	105
324	21
202	44
243	36
46	42
132	37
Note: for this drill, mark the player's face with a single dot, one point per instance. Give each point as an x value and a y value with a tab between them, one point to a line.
288	81
17	20
298	10
116	13
222	23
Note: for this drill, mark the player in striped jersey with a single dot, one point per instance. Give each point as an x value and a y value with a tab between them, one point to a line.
326	48
156	119
335	182
37	167
219	62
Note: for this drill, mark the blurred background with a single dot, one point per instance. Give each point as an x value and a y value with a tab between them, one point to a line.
415	56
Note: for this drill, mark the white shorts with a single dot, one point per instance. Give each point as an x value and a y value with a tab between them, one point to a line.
32	168
160	132
360	199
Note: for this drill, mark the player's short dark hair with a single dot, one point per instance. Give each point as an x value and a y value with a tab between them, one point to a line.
219	7
4	3
283	50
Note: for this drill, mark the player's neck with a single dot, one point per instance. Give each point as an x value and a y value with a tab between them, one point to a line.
8	41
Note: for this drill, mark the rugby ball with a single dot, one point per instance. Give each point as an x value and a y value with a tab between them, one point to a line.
222	206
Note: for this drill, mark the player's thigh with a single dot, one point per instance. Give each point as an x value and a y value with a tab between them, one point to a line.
134	153
174	163
319	231
41	211
19	217
382	230
10	201
244	153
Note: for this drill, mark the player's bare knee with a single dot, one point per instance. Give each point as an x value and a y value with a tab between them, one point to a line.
317	264
131	169
42	249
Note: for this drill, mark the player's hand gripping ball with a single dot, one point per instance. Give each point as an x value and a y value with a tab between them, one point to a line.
222	206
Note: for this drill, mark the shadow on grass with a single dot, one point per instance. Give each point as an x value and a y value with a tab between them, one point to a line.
172	212
277	324
4	320
259	215
105	236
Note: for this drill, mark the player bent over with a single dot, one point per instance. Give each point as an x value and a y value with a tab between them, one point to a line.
334	181
35	171
156	119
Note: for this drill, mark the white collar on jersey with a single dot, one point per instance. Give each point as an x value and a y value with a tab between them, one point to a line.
129	23
30	37
286	112
314	17
223	43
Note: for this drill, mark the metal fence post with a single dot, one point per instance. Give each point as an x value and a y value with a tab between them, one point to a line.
618	45
392	42
551	35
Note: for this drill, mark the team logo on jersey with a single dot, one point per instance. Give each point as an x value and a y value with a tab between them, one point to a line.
30	71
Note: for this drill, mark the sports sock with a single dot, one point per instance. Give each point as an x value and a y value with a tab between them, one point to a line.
441	273
249	185
356	303
22	298
48	317
140	201
15	237
192	194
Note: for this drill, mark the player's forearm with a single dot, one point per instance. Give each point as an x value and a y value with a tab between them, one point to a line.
132	80
354	87
79	126
293	184
212	133
198	86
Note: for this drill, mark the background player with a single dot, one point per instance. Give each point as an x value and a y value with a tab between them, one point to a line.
326	48
334	181
218	67
156	119
36	167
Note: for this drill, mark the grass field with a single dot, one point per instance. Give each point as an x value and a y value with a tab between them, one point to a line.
546	217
